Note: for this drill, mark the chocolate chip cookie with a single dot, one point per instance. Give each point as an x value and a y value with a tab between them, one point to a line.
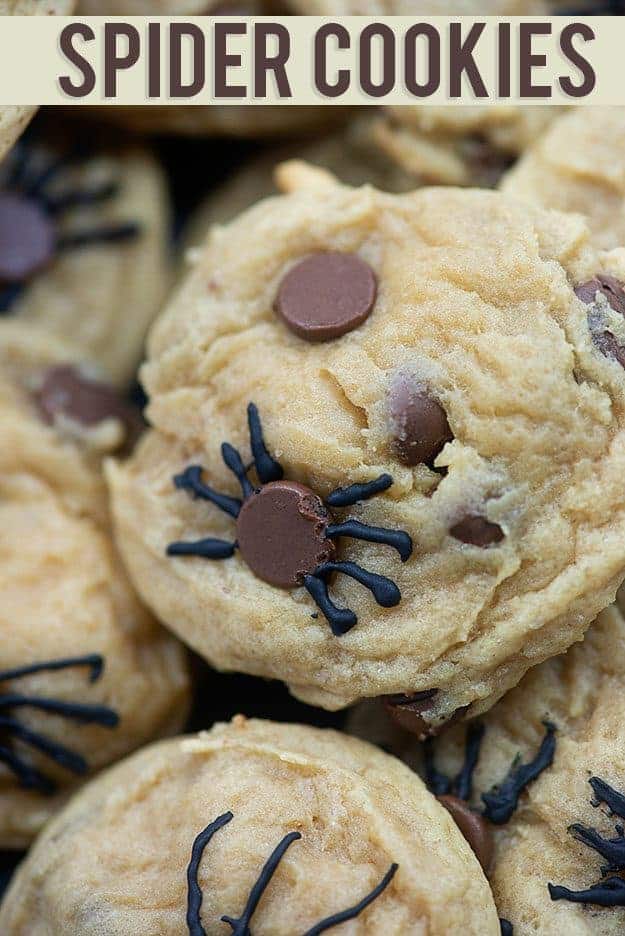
86	674
387	447
578	165
277	829
84	247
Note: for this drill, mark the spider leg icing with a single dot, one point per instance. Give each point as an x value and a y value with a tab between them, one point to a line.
57	204
106	234
233	461
241	925
462	784
354	911
267	468
191	481
208	548
609	893
30	777
194	899
341	620
398	539
348	496
385	592
501	801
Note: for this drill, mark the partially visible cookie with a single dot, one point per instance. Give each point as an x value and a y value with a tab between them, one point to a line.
84	247
86	674
272	828
459	145
545	768
578	165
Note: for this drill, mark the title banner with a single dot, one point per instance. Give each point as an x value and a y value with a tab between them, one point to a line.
311	60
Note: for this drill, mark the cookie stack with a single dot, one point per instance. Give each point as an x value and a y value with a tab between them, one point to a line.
380	462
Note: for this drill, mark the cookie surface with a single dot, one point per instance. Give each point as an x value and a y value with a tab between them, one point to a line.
84	252
116	859
516	524
578	165
67	603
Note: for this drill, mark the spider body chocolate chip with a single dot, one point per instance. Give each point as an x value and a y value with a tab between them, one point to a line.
419	423
326	295
27	238
66	392
477	531
286	534
281	533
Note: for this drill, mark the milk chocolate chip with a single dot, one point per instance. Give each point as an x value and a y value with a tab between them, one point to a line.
474	827
27	238
406	711
281	532
326	295
418	423
477	531
614	292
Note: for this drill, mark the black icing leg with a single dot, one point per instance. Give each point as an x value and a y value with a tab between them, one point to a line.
502	800
109	234
204	548
190	480
463	783
357	909
194	898
341	620
609	893
397	539
57	752
437	783
76	198
385	591
240	925
85	714
94	661
234	462
604	793
267	468
613	850
348	496
29	777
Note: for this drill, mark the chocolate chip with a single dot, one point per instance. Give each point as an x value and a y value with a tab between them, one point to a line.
406	711
608	286
326	295
477	531
419	423
281	533
66	392
476	830
27	238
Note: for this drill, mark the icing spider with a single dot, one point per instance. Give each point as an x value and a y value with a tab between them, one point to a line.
241	925
29	777
285	532
499	802
610	892
29	214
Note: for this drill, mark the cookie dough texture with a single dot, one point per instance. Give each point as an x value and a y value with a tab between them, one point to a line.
476	302
65	594
579	165
115	860
460	145
582	692
102	296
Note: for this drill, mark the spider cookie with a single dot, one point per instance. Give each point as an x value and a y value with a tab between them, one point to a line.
459	145
358	480
267	828
83	247
542	779
578	165
86	675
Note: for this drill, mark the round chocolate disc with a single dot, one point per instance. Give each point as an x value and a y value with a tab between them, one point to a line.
281	533
326	295
27	238
477	531
474	827
418	423
65	391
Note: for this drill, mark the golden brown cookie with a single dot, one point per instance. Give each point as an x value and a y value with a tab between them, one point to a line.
185	827
84	247
578	165
86	674
430	520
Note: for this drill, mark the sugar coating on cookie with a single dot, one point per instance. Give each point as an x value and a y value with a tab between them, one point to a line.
578	165
86	674
117	858
514	515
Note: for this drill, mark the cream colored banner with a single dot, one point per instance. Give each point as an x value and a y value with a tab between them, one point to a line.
311	60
